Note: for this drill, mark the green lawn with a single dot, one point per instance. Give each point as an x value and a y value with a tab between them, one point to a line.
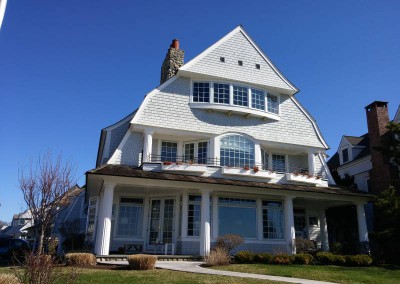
328	273
152	276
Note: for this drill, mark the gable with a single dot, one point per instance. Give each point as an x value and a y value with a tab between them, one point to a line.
236	46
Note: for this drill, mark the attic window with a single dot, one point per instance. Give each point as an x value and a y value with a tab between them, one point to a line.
258	66
240	62
222	59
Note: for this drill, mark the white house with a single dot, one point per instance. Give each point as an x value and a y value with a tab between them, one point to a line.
222	146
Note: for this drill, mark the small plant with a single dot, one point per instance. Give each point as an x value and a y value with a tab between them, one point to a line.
246	168
282	259
229	242
305	245
8	279
86	259
245	256
358	260
142	261
167	163
303	258
255	169
263	258
217	256
330	258
178	163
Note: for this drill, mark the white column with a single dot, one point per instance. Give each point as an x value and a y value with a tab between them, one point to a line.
214	150
179	152
270	165
362	223
311	163
205	223
185	200
103	232
147	144
287	166
257	156
289	224
323	230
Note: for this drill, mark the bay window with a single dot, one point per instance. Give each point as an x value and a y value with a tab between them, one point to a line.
240	96
201	92
257	99
221	93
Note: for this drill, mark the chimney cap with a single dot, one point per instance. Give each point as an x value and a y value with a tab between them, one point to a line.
376	103
175	43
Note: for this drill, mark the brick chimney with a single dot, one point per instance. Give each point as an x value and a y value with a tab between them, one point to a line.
173	60
377	120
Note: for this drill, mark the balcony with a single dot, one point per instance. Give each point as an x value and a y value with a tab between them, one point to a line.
256	171
183	164
302	175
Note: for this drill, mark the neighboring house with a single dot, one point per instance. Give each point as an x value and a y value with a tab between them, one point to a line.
20	226
222	146
70	221
357	158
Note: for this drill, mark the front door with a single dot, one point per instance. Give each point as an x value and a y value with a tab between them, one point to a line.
161	223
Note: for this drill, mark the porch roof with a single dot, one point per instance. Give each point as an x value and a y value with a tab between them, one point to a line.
137	172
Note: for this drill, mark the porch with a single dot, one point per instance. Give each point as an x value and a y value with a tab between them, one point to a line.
190	212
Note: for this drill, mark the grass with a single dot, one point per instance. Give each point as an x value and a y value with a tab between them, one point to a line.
152	276
328	273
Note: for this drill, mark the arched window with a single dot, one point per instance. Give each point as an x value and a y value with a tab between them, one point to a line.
236	151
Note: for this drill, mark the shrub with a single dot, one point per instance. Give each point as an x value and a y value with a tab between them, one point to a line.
304	245
8	279
303	258
282	258
244	256
358	260
142	261
80	259
330	258
217	256
263	258
229	242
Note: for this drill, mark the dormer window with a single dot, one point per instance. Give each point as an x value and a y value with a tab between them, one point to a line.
345	155
241	99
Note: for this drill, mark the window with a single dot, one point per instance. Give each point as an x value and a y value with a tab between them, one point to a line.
130	217
240	62
273	105
258	66
222	59
221	93
201	92
237	216
278	163
257	99
91	216
272	220
194	215
300	225
236	151
192	148
264	159
240	96
169	151
345	155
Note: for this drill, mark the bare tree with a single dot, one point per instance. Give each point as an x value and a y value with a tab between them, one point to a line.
43	186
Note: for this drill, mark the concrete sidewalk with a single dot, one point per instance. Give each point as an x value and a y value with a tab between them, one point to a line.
194	267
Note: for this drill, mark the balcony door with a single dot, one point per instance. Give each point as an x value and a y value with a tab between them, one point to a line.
161	224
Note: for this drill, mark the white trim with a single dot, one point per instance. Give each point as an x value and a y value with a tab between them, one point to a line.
317	131
326	168
3	4
354	162
227	37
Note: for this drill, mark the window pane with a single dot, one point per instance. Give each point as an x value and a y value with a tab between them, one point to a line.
272	220
257	99
273	105
240	96
264	159
189	152
238	220
168	151
201	92
221	93
278	163
236	151
202	152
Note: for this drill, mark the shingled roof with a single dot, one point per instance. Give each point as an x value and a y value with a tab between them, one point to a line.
135	172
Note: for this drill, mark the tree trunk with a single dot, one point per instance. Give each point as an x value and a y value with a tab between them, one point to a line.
41	239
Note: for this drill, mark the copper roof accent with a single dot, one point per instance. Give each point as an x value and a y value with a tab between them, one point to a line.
136	172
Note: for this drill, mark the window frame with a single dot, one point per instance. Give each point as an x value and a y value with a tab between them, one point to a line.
282	221
173	160
234	157
231	85
196	151
140	223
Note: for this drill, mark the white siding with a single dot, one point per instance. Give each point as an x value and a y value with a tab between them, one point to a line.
233	49
169	108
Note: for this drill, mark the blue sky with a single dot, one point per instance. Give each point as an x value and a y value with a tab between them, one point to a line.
70	68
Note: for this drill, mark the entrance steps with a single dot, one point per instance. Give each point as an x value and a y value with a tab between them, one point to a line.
161	257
